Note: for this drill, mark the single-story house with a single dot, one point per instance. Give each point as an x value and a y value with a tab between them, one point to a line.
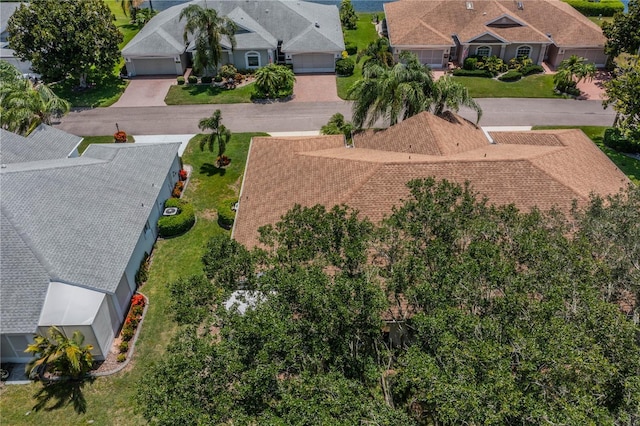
43	143
549	168
73	232
7	54
442	31
306	35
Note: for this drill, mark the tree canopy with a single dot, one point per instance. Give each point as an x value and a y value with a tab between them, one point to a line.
517	318
74	38
623	33
623	94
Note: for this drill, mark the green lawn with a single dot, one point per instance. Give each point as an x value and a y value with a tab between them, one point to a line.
109	90
110	400
88	140
207	94
533	86
628	165
361	37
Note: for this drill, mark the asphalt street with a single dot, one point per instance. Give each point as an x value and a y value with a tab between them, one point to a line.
287	117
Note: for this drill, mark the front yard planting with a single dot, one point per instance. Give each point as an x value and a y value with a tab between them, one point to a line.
208	94
110	400
533	86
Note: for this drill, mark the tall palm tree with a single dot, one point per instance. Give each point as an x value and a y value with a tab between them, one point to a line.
24	105
378	52
64	356
573	70
208	28
219	133
391	93
451	95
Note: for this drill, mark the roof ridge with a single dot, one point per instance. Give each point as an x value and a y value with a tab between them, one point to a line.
424	24
366	179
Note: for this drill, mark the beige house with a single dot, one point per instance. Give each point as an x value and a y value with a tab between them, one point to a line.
443	31
534	168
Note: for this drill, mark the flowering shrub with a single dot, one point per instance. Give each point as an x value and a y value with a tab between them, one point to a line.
223	161
120	136
137	300
183	174
177	189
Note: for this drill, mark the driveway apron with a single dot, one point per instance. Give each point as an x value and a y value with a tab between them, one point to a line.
145	91
315	88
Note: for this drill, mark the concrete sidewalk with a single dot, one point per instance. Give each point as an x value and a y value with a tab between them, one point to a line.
182	139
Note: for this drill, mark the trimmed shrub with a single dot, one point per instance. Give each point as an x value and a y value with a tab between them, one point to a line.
227	71
207	79
121	357
218	78
351	48
345	66
614	139
570	88
123	347
460	72
193	79
180	80
127	332
177	224
592	8
226	215
470	64
531	69
511	75
143	270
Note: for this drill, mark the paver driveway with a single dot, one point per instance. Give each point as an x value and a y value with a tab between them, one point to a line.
315	88
146	91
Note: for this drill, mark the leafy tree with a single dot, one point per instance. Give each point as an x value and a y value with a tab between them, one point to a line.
192	299
623	93
219	133
391	94
274	81
623	34
24	105
62	355
208	28
572	71
452	95
348	16
337	125
73	38
228	263
378	52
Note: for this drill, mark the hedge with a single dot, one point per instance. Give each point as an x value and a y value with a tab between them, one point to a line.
614	139
511	75
531	69
177	224
345	66
472	73
226	215
351	48
591	8
180	80
207	79
192	79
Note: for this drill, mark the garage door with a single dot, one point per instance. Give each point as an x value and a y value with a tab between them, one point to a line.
156	66
433	58
596	56
314	62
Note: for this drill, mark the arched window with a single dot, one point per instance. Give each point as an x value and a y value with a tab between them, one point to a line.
252	59
483	51
523	51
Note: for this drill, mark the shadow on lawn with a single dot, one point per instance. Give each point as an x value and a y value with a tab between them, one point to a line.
212	170
55	395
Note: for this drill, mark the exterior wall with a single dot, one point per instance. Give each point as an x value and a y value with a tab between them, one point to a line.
556	54
12	347
435	58
536	49
238	58
144	66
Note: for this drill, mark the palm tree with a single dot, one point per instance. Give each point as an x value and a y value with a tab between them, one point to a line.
391	93
337	125
219	134
572	71
24	105
451	95
66	357
207	28
274	81
378	52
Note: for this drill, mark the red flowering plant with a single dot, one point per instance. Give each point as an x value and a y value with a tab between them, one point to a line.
120	136
183	174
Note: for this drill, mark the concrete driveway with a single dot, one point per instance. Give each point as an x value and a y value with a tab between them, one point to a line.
145	91
315	88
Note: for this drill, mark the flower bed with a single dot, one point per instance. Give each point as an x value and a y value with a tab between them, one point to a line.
130	325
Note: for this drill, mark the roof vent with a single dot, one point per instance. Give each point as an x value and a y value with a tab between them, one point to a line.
317	25
469	5
170	211
266	11
520	5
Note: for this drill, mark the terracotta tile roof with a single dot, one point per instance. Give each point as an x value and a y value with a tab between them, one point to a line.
543	169
433	22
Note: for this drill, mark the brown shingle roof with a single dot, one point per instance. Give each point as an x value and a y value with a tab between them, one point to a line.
542	168
433	22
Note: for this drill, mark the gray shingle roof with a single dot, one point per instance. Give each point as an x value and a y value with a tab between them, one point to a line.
83	216
269	20
44	143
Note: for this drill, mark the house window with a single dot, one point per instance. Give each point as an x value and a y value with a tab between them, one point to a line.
252	59
483	51
523	51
